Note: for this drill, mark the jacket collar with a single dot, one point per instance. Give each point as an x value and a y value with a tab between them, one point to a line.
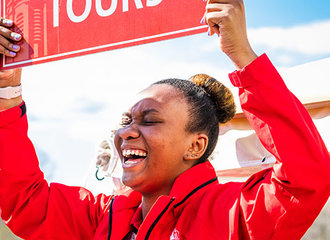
185	184
192	179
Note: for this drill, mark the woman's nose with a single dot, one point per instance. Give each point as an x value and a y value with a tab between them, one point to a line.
129	132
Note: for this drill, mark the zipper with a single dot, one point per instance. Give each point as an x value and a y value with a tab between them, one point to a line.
178	204
195	190
157	219
110	217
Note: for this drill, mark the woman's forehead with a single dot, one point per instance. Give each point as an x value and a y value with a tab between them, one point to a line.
161	91
156	96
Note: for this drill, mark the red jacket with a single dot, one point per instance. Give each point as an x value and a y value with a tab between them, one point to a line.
276	203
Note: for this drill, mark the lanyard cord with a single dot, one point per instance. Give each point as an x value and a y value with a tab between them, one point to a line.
110	217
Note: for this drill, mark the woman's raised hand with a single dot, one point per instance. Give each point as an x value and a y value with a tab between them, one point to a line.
226	18
8	38
9	48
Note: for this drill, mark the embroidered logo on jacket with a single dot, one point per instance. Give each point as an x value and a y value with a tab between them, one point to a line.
175	235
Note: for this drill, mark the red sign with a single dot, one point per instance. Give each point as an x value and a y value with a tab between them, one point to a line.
58	29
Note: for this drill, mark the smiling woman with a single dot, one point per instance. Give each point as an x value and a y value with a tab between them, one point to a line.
156	148
164	144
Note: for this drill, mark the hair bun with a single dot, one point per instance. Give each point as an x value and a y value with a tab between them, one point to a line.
219	94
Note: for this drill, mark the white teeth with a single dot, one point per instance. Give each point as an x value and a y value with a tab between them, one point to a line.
142	154
127	153
130	162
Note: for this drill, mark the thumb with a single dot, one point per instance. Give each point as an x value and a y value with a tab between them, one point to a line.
215	29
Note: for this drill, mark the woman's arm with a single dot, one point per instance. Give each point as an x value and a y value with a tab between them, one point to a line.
28	205
9	48
280	120
281	202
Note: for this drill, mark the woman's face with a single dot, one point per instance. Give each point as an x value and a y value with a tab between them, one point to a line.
153	141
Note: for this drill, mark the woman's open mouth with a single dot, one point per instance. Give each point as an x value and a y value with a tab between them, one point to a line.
132	157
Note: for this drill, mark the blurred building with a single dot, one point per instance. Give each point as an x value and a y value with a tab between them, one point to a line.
31	20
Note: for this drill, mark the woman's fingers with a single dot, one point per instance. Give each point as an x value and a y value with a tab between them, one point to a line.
215	13
212	7
213	19
5	32
225	1
8	48
227	19
8	38
6	22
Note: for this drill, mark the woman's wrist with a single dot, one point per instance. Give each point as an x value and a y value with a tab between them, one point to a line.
10	95
10	78
243	58
9	103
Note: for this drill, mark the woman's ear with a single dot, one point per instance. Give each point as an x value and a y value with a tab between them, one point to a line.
197	147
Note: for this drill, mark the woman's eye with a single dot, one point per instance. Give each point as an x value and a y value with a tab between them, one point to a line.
150	122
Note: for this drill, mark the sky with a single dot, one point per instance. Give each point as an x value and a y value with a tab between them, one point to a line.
74	103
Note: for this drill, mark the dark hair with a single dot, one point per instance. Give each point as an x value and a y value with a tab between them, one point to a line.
210	103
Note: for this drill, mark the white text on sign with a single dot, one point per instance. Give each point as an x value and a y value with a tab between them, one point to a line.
99	9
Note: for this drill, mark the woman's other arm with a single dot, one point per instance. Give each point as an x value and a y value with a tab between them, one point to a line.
282	202
9	48
28	205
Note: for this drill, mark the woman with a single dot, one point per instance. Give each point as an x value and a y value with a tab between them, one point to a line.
164	144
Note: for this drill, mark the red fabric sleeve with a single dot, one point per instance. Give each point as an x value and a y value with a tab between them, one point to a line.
282	202
31	208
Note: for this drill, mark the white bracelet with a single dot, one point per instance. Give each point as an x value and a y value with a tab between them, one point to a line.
10	92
